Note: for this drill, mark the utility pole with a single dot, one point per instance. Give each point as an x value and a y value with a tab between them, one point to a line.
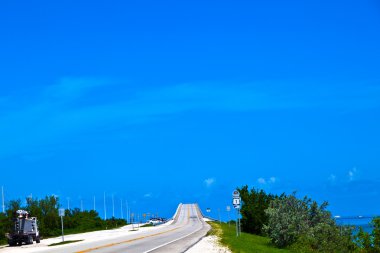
2	195
128	217
105	208
229	219
113	207
61	212
81	205
94	204
121	208
237	222
236	201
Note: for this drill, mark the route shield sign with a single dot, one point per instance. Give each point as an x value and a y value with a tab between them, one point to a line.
236	199
235	194
61	212
236	203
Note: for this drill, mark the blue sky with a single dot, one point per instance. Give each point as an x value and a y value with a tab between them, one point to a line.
161	102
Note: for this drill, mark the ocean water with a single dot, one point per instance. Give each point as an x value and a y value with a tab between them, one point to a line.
357	223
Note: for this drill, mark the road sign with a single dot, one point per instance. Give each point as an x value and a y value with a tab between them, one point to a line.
61	213
236	203
235	194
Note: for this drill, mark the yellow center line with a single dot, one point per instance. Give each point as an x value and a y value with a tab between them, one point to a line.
188	215
126	241
135	239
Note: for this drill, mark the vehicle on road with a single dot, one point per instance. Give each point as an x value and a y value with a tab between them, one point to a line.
24	230
157	221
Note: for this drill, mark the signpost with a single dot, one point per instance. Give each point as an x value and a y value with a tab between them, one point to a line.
228	208
236	200
133	215
61	212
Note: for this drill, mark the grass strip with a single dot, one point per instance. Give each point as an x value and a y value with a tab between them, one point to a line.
245	243
64	242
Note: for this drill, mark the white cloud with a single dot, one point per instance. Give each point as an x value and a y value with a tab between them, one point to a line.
209	181
264	181
331	178
261	180
72	88
351	174
272	180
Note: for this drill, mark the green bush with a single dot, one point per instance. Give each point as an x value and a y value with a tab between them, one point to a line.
254	203
305	226
287	220
325	238
369	242
5	225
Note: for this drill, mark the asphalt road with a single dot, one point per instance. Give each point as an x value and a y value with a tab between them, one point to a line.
186	229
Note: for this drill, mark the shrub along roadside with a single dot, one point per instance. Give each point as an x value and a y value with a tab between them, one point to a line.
253	209
301	225
305	226
320	233
246	243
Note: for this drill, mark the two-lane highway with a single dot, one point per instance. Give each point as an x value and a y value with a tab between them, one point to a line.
186	229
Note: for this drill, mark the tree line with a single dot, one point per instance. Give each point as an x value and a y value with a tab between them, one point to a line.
302	225
49	223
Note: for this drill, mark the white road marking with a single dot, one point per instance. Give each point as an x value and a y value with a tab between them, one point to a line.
162	245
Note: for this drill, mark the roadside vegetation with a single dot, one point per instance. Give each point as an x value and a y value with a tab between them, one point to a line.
369	242
294	224
46	211
246	243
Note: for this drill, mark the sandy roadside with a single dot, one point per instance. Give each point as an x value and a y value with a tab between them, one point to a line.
208	244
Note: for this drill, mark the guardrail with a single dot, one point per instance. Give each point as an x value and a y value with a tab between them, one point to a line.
176	214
